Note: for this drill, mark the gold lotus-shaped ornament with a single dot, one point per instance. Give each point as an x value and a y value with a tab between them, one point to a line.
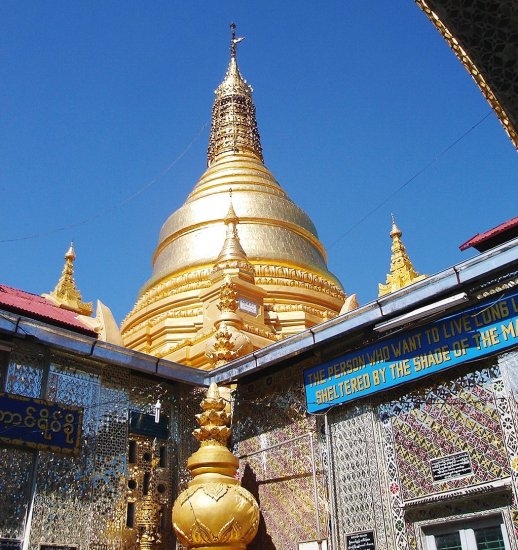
214	512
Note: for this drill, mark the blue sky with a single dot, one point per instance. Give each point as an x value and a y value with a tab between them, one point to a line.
353	99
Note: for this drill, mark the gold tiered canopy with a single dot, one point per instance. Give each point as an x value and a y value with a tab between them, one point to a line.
290	289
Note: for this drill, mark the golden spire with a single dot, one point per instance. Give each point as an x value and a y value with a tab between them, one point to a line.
232	254
214	512
148	517
402	272
66	294
234	126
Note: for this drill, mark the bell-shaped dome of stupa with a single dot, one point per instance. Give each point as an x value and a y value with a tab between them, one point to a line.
278	238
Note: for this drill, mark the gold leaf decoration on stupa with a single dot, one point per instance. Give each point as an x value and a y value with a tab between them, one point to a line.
271	252
232	255
227	295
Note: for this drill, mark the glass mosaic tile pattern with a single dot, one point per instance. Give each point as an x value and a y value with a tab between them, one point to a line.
268	414
455	416
82	501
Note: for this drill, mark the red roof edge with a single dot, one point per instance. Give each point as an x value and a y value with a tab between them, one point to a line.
499	230
39	308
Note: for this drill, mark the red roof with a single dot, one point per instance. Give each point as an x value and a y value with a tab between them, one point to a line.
498	234
40	308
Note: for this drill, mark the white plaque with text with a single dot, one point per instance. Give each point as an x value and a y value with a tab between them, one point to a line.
248	306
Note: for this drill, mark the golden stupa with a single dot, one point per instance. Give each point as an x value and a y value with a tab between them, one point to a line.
239	265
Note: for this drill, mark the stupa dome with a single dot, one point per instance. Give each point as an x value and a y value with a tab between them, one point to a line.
272	228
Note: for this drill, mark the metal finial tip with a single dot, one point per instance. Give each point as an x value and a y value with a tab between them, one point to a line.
233	40
70	253
395	231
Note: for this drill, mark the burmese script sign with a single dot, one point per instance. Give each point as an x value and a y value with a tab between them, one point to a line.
451	466
40	424
361	541
470	334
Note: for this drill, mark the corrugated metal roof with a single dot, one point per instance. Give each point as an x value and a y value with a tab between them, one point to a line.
38	307
482	237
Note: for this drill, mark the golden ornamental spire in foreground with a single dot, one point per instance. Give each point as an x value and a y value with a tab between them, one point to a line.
66	294
402	272
214	512
234	125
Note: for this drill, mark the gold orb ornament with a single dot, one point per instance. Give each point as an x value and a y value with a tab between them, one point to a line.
214	512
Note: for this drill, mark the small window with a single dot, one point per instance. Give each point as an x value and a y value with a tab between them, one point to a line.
145	485
448	541
483	534
163	457
130	515
490	538
132	452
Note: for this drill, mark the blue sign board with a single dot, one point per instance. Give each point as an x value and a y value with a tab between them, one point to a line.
485	329
40	424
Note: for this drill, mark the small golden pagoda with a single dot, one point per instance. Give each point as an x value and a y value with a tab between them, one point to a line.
66	293
402	272
239	265
214	512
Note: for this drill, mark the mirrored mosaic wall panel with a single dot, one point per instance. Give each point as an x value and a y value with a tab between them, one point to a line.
82	501
25	373
16	467
388	455
358	475
282	463
186	406
454	435
152	460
